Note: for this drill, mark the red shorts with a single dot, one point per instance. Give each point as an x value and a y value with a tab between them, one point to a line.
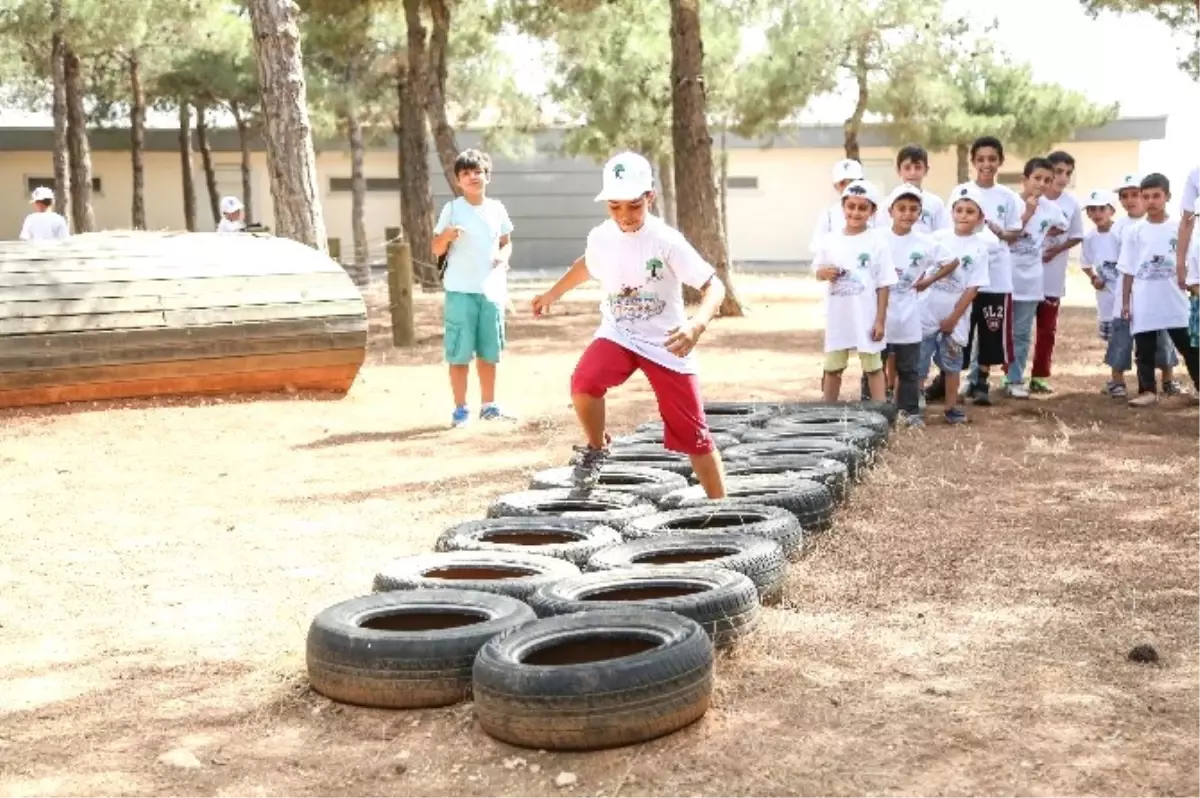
606	364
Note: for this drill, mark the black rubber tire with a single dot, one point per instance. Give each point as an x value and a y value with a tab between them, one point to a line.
810	502
593	704
397	669
833	474
818	447
724	603
758	558
598	506
568	539
886	409
726	425
648	454
720	440
503	572
863	438
835	417
650	484
748	413
709	517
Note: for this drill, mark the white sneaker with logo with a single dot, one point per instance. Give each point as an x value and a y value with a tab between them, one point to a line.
1144	400
1018	390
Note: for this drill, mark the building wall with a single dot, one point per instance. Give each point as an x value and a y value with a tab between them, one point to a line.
549	197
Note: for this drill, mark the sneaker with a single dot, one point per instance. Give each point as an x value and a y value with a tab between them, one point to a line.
1040	385
493	412
1144	400
915	421
1004	383
1172	388
936	390
980	395
587	469
1017	390
1115	390
956	415
921	401
460	416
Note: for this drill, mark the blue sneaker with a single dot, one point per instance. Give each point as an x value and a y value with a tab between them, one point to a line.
956	415
460	417
493	412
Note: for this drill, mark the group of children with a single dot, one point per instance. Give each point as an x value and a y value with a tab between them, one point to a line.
46	224
916	283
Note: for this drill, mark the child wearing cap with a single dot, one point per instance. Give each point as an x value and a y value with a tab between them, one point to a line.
946	306
832	220
920	260
642	265
43	224
474	232
912	165
1028	279
1150	295
1098	260
857	264
232	220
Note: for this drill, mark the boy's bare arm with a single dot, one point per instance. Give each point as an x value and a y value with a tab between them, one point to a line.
1187	227
1126	293
928	280
575	276
964	302
681	340
881	304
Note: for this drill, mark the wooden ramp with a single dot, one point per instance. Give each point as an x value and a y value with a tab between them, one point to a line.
118	315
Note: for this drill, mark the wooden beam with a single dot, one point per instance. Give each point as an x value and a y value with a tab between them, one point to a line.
400	293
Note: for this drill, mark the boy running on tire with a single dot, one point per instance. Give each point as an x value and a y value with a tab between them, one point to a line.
642	265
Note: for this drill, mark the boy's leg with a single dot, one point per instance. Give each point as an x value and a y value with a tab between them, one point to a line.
461	317
1021	320
1144	345
1119	356
872	366
949	356
1043	350
908	383
685	428
603	365
989	342
1166	360
1191	356
489	343
831	382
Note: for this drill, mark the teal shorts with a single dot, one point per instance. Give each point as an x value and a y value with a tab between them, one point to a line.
474	328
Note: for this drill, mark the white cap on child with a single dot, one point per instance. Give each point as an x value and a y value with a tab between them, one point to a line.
1131	180
903	190
863	188
626	177
847	169
967	191
43	194
230	204
1099	198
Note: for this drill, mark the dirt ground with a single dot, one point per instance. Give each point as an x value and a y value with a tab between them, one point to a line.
963	630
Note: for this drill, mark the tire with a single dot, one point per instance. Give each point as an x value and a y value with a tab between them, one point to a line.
720	439
598	506
758	558
662	684
352	660
819	447
831	473
863	438
810	502
568	539
708	517
748	413
726	425
834	417
724	603
649	455
886	409
506	573
650	484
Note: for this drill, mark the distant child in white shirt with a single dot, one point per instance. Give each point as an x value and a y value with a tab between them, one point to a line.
232	216
946	306
912	165
642	265
832	220
857	264
919	260
1151	298
1098	259
44	224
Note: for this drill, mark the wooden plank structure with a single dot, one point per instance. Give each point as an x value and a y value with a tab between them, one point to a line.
129	314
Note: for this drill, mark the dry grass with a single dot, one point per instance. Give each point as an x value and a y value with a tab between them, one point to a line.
963	630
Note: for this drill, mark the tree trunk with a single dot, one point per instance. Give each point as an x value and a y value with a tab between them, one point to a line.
853	125
443	132
291	160
62	156
962	155
358	196
83	219
723	188
697	201
416	203
206	162
137	142
666	177
185	165
243	129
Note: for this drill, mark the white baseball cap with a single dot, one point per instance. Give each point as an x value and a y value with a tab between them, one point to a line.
627	176
1099	198
1131	180
862	188
43	194
967	191
847	169
903	190
230	204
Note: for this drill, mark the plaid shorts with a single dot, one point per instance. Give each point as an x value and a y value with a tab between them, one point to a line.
1194	319
1104	328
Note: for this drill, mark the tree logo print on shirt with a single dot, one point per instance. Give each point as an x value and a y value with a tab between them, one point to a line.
1000	210
863	260
619	171
1045	224
654	268
1174	244
633	304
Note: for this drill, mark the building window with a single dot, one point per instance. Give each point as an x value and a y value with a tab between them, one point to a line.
35	182
742	182
373	184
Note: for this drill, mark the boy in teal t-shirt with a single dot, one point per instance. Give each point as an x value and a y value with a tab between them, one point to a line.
475	234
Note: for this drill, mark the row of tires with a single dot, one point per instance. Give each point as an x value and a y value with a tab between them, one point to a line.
588	620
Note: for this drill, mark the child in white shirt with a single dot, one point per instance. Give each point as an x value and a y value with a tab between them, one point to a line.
43	224
1098	258
858	266
642	265
232	216
832	220
912	165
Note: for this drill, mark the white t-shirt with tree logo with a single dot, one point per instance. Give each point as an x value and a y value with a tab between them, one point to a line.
1100	252
1148	252
1004	207
1028	271
1055	275
866	263
939	300
913	256
642	275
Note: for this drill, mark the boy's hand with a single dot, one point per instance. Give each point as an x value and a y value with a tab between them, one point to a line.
1049	254
1098	282
1181	277
1031	204
923	283
541	304
995	228
452	232
877	331
828	273
948	324
682	340
1125	314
